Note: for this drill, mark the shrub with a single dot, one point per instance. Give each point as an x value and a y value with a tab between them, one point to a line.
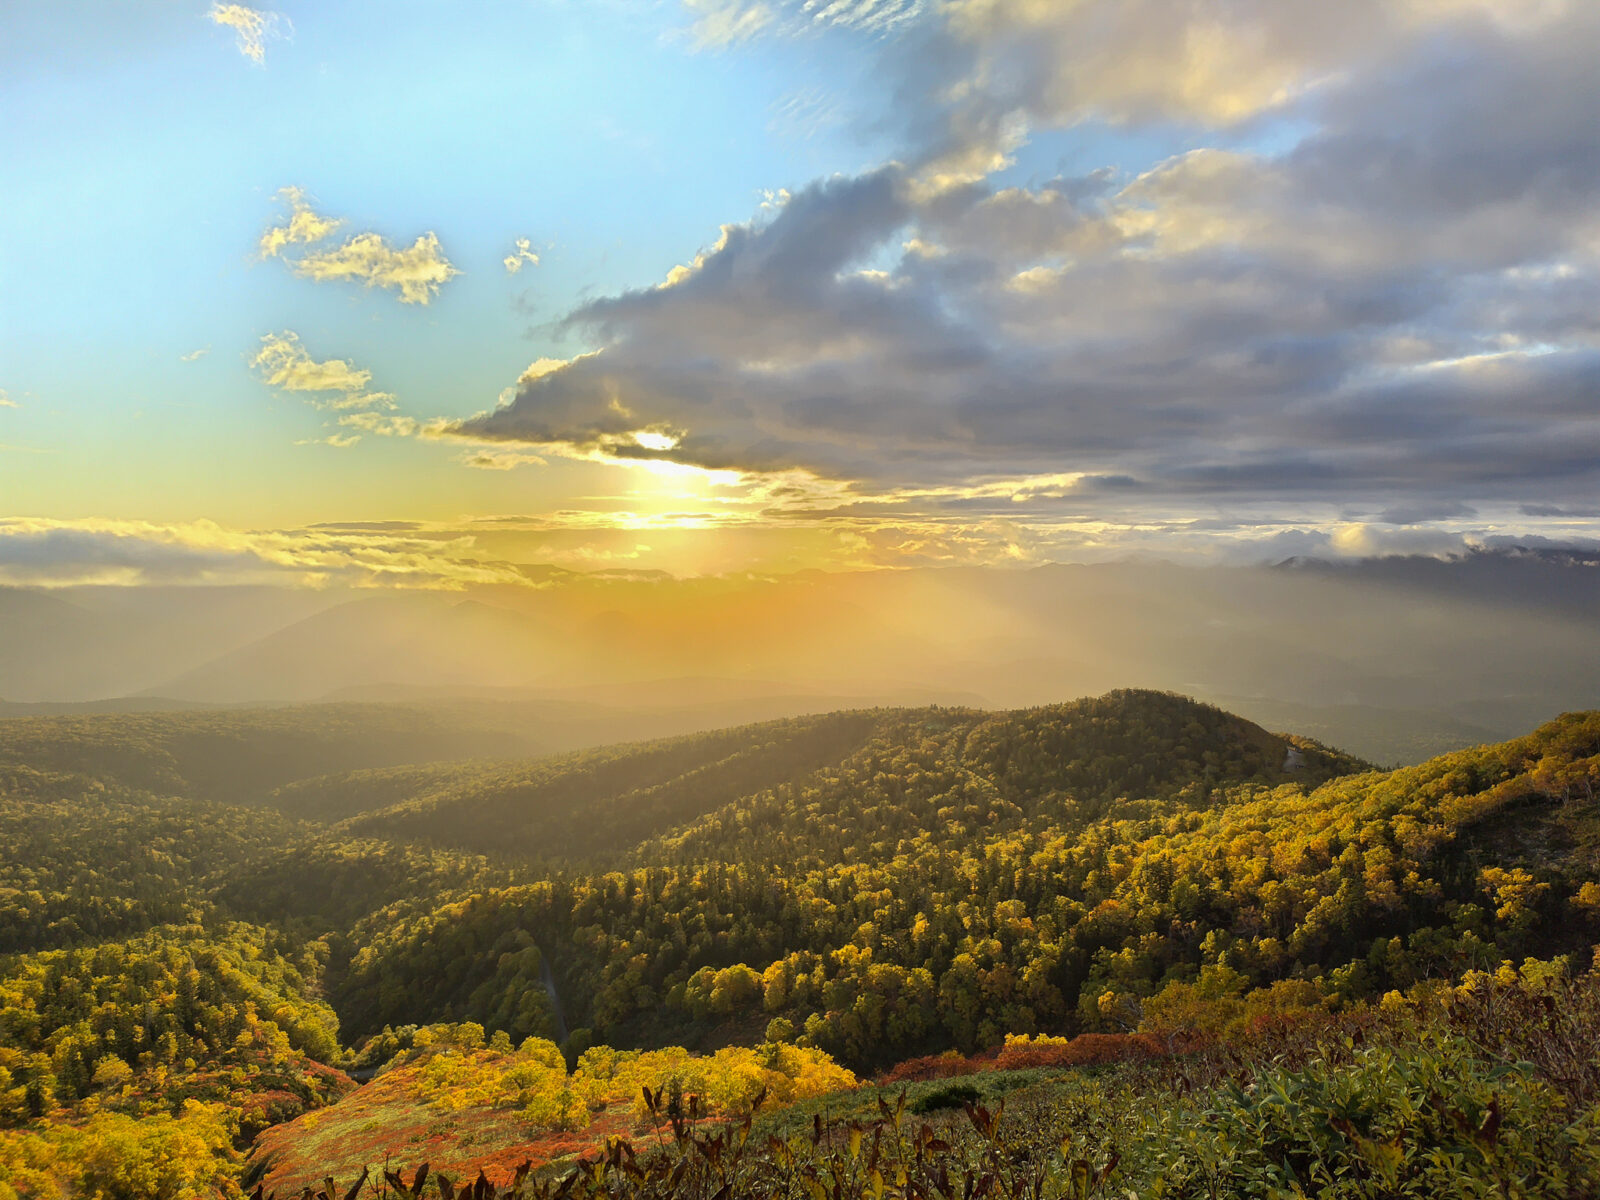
956	1095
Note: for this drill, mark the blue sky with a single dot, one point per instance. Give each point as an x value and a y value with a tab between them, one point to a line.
1090	279
146	154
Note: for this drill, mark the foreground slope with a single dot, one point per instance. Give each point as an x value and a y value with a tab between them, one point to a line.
1486	1088
468	1105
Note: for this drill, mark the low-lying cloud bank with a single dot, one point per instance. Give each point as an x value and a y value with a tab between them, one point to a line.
523	551
48	553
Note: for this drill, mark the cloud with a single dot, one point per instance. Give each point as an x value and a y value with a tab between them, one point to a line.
718	24
386	424
283	362
49	553
1392	311
1160	59
970	78
195	355
305	225
977	78
722	23
416	272
805	113
498	550
494	458
1425	512
762	301
1373	541
251	28
873	16
6	401
1580	512
523	253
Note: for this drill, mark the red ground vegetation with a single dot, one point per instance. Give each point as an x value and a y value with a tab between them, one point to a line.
1085	1050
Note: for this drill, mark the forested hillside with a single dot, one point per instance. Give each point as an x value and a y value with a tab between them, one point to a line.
967	876
866	888
571	808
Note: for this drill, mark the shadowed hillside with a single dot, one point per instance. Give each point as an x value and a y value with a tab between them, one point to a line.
240	755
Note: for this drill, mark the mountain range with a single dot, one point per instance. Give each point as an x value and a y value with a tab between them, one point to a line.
1396	659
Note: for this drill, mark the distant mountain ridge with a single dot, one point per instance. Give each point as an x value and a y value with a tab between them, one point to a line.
1451	651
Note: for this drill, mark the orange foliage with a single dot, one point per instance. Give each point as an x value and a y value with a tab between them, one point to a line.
932	1066
1085	1050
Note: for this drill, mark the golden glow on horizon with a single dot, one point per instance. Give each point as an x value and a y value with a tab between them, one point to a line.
732	538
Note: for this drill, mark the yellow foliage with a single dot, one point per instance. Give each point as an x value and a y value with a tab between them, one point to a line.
534	1078
1588	898
460	1073
118	1157
726	1082
1515	891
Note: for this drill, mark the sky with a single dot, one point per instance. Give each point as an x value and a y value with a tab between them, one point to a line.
426	295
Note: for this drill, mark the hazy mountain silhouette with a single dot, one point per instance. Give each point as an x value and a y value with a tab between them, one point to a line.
1394	658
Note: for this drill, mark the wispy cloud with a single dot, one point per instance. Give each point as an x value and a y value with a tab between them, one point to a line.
251	28
416	272
195	355
874	16
497	458
282	362
718	24
6	401
805	113
523	254
305	225
388	424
